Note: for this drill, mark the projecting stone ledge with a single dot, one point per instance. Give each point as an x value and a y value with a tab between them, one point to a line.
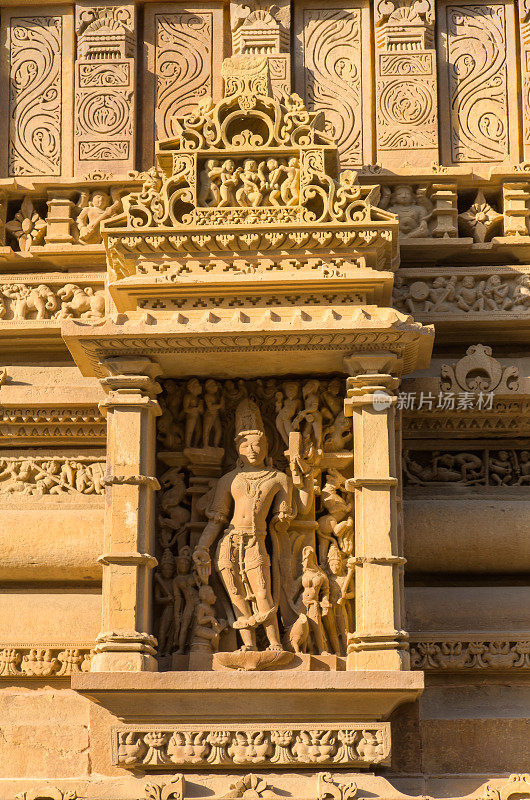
228	720
191	696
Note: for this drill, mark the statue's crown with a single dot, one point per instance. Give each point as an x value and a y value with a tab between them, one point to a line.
248	418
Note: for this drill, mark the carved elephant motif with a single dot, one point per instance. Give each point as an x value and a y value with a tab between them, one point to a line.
81	303
28	299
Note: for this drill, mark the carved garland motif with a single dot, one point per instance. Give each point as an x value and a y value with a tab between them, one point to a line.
43	662
345	744
468	655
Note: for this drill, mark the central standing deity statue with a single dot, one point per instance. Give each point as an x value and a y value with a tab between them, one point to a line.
254	499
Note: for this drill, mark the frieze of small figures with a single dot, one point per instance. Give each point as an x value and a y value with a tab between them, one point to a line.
463	294
46	301
51	475
475	467
259	468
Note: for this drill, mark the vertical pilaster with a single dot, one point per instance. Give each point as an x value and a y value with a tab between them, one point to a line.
378	641
406	83
59	221
105	81
131	410
444	198
516	208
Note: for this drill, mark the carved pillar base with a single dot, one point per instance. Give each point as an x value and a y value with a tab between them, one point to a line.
125	651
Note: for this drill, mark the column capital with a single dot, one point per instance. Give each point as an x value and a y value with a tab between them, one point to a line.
131	376
372	363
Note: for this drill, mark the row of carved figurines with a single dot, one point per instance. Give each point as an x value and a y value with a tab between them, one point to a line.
465	294
249	517
503	468
193	417
272	182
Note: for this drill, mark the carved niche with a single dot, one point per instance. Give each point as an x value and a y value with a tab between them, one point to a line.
255	530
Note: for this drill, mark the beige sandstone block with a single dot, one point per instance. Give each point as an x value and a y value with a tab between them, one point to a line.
44	733
468	608
65	549
480	534
475	745
43	617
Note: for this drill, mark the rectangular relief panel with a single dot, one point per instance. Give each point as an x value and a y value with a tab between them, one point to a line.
406	90
36	126
333	72
183	55
478	83
105	88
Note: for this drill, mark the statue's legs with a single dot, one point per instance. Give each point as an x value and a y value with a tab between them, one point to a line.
259	579
316	627
330	627
236	592
187	617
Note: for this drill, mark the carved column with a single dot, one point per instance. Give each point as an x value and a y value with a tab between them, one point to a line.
105	79
378	641
131	410
406	93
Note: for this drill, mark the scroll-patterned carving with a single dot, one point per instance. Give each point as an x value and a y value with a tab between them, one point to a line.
331	42
35	95
183	65
477	76
524	34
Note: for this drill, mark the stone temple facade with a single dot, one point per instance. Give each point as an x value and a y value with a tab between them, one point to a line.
265	400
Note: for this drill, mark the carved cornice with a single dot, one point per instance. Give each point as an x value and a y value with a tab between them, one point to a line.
34	425
206	338
507	417
262	746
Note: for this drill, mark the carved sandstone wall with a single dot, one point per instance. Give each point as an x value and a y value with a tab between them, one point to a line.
255	541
